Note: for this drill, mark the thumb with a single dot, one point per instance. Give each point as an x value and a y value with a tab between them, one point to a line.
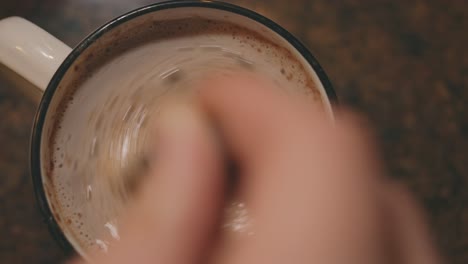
175	213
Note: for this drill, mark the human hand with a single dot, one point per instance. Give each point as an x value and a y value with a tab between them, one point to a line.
315	189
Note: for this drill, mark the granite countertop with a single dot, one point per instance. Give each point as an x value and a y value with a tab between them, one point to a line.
402	63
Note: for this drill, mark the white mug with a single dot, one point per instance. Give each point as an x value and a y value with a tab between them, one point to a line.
50	65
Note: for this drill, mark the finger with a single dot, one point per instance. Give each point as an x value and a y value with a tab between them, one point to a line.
320	199
252	112
410	237
174	215
310	185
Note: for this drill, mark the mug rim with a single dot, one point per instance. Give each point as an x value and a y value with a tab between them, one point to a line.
35	148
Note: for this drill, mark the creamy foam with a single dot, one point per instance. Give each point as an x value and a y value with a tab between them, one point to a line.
104	124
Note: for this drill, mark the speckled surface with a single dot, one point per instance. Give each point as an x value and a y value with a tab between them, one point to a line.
402	63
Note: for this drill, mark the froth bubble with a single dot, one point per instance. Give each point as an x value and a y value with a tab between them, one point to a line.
211	47
245	62
94	147
238	219
232	52
169	73
103	245
128	113
112	227
89	191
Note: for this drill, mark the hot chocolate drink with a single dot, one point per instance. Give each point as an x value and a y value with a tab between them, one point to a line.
102	125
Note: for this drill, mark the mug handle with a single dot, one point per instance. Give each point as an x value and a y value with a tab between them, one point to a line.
30	51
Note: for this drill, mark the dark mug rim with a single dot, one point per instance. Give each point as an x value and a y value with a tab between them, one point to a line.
39	120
